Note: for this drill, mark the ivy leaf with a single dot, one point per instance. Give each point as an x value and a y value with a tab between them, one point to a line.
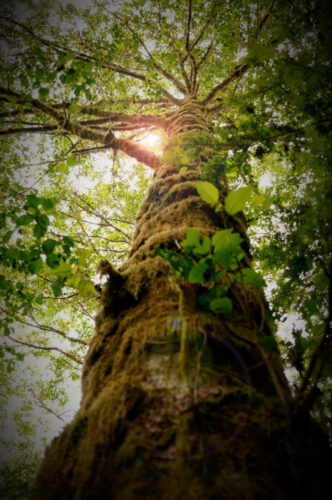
207	191
236	201
222	305
196	273
203	248
192	238
226	240
249	277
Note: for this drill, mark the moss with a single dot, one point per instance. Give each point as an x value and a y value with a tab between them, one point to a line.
143	431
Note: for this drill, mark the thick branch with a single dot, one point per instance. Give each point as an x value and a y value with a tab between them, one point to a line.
84	132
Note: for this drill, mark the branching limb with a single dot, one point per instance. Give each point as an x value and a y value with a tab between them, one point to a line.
240	69
93	135
42	404
236	73
43	348
47	328
204	29
157	66
187	28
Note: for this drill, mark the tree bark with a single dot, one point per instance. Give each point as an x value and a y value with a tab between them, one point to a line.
180	402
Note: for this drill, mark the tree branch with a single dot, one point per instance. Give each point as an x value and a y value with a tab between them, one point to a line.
236	73
43	348
84	132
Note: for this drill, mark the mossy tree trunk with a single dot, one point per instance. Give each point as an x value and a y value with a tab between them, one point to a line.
180	402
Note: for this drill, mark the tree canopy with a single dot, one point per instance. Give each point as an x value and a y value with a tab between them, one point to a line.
84	93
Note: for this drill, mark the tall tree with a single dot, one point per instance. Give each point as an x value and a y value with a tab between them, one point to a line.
183	386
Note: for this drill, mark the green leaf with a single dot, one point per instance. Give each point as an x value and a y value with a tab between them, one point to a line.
43	93
63	270
24	220
43	221
38	231
72	161
68	241
207	191
56	287
47	203
86	288
226	240
35	266
236	201
222	305
249	277
52	260
32	201
192	238
48	245
196	273
204	248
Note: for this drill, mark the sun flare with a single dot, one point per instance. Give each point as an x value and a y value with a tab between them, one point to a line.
153	141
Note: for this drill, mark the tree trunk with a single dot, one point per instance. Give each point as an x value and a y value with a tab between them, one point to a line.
180	402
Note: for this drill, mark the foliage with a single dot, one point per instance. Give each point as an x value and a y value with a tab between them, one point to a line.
82	87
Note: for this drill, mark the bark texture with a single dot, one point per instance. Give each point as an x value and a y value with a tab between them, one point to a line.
216	425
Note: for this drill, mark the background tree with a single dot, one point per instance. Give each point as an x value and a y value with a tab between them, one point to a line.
254	81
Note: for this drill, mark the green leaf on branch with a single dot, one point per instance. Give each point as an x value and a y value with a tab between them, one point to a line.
48	245
43	221
207	191
47	203
24	220
236	201
86	288
35	266
38	231
32	201
52	260
248	276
